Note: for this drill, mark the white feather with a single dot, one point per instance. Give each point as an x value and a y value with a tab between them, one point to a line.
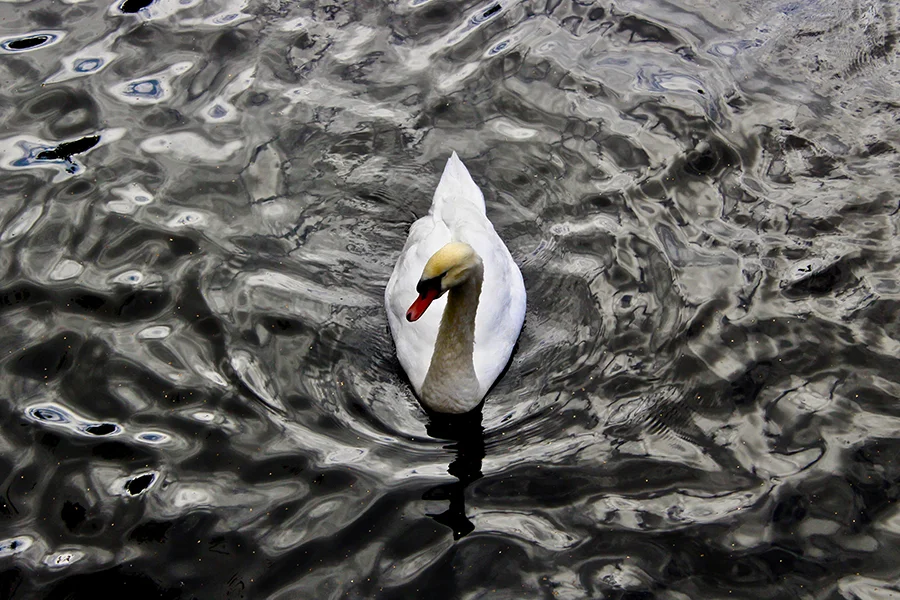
457	214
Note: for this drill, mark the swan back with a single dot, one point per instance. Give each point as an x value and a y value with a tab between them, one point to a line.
456	187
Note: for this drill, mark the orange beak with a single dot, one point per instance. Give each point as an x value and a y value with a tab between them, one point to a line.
421	304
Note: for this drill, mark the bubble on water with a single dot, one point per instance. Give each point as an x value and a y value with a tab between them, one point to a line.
140	484
101	429
187	219
157	332
486	14
87	65
129	277
150	10
134	195
15	545
478	19
150	89
130	198
153	437
733	48
219	112
726	50
49	414
229	19
498	47
133	6
29	42
85	61
63	559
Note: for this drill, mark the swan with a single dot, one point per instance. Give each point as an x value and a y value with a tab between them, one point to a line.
455	301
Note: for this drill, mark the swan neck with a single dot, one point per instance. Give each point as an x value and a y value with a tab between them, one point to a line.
451	384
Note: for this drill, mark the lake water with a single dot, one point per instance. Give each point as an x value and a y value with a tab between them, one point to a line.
202	202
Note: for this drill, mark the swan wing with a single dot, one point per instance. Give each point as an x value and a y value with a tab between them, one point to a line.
501	306
501	314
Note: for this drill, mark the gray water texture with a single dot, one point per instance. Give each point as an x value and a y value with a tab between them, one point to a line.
201	203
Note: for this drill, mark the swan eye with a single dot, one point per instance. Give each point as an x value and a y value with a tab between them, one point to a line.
432	283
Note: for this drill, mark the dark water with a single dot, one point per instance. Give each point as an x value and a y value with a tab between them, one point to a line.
202	203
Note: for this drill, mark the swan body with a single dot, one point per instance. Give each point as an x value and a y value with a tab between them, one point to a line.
456	300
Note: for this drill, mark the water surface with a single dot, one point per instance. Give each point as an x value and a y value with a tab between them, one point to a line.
203	201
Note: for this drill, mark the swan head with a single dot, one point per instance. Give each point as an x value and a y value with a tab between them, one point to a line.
452	265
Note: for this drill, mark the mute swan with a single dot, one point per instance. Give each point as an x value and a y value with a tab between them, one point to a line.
456	300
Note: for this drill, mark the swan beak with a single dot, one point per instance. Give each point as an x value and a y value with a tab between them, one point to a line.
418	307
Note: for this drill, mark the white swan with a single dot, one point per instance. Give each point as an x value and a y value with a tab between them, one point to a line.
454	346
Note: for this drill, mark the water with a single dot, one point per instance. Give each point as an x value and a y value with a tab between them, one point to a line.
203	201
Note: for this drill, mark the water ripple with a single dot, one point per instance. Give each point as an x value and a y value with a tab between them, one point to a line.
203	202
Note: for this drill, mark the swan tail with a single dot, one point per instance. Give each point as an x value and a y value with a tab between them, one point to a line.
456	187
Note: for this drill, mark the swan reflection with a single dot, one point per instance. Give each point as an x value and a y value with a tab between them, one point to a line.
466	434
